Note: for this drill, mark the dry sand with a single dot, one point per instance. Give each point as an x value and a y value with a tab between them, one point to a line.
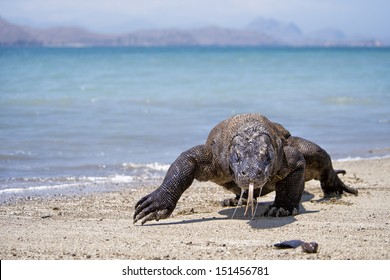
99	226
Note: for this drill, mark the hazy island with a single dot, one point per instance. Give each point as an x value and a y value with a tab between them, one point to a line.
260	32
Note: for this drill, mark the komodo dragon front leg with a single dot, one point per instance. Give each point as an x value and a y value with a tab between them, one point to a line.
195	163
289	190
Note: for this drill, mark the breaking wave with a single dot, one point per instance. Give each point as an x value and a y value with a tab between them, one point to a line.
126	175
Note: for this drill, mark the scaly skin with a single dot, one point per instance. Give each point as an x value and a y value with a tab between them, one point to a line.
241	150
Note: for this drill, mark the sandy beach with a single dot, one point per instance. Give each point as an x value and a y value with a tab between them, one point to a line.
100	226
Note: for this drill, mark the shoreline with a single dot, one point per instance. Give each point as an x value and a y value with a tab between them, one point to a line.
99	225
21	188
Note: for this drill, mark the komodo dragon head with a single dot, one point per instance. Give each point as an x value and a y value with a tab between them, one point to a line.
251	158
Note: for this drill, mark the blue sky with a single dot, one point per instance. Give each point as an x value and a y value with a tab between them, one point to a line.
364	17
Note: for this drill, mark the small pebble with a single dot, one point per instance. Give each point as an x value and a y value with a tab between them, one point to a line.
310	247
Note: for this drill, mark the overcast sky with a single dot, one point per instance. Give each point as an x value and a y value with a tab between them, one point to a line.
365	17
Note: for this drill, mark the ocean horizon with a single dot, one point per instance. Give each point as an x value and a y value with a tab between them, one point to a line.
96	117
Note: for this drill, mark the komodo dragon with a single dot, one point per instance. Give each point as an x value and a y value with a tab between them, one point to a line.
250	156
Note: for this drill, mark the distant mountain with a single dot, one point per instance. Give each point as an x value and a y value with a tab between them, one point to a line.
328	34
11	34
284	32
208	36
15	35
70	36
261	32
291	35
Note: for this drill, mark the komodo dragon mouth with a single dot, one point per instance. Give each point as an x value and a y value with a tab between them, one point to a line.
251	201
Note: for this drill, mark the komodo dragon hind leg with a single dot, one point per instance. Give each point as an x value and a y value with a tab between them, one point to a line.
319	167
332	185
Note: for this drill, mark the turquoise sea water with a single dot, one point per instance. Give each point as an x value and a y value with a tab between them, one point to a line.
71	116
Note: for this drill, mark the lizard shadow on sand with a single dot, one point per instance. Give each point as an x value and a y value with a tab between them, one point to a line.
262	222
259	221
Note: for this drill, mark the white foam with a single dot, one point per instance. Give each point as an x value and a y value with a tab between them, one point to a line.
43	186
95	179
152	166
72	183
38	188
121	179
361	158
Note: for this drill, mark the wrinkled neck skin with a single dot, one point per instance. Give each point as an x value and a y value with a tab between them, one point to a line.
251	157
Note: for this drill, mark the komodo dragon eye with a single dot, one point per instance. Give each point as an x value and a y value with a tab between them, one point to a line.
266	157
237	158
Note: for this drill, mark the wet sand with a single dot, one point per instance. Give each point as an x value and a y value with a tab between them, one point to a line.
100	226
